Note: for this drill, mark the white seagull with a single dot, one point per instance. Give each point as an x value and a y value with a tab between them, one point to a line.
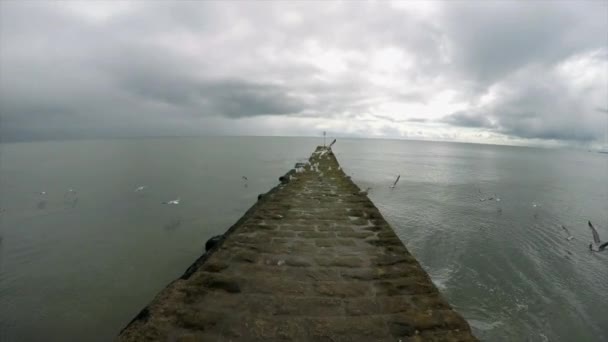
596	239
140	188
396	180
570	237
365	192
174	202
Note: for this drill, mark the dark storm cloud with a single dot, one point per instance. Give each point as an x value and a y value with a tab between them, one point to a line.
464	119
75	69
495	38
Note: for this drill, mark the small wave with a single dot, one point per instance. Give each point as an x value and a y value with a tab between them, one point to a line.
485	326
441	277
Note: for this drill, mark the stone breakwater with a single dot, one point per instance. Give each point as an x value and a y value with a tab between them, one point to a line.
312	260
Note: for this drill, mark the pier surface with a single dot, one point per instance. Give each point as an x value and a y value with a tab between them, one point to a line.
313	260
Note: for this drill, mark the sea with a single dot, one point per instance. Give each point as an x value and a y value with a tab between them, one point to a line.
82	252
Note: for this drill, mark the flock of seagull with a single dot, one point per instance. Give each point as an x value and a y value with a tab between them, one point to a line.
595	246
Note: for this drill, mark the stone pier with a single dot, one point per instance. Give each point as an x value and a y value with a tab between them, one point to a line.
312	260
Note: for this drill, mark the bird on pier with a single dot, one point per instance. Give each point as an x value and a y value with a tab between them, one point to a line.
395	183
596	239
366	191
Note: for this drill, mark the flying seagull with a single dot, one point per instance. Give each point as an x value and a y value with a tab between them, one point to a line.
245	178
570	237
42	193
596	239
140	188
174	202
396	180
481	197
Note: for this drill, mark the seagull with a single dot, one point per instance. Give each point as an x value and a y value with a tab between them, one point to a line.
365	192
570	237
140	188
175	201
245	178
491	198
596	239
534	204
396	180
42	193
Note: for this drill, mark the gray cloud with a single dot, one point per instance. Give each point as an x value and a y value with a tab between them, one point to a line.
464	119
68	70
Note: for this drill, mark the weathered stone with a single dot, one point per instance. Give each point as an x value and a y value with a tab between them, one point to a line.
356	235
325	242
215	266
297	262
340	262
342	289
316	235
361	306
309	306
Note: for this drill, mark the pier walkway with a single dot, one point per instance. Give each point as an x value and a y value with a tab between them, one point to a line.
313	260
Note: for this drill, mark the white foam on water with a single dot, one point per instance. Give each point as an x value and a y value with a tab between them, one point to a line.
483	325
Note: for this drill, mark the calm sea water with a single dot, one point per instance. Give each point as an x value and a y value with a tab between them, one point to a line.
78	266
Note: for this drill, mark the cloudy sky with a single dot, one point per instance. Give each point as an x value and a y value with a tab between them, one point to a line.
489	72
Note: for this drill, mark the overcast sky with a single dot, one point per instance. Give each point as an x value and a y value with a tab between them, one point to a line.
493	72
